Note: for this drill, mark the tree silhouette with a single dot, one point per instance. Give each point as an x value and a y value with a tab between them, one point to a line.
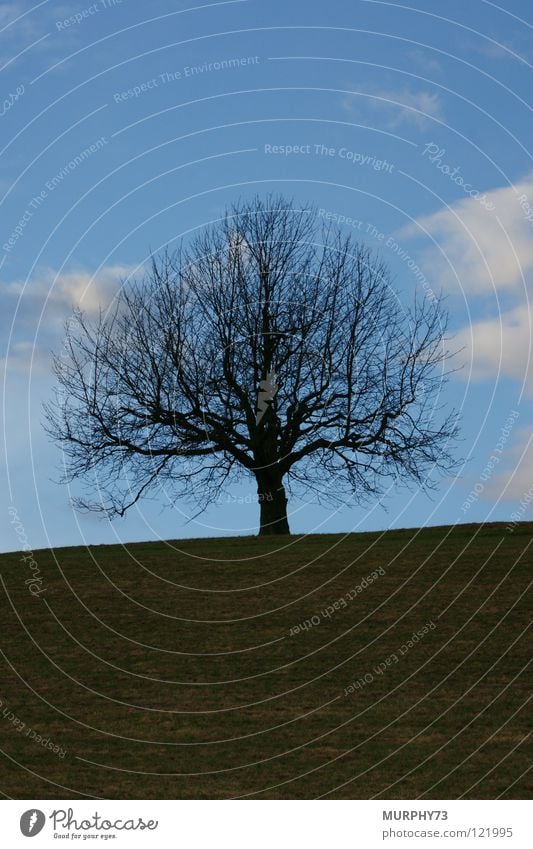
270	347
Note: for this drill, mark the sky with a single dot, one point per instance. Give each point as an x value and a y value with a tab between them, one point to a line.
126	127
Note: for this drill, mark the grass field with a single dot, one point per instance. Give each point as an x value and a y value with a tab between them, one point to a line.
176	670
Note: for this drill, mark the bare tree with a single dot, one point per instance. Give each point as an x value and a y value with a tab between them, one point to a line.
270	347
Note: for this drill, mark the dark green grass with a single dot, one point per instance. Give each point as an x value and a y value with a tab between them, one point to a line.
168	670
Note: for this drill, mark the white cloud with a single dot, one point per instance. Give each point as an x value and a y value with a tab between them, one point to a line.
515	480
44	303
482	249
16	20
501	346
425	59
20	358
397	106
491	252
482	252
72	289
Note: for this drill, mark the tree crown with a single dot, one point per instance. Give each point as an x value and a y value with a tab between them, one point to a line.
269	346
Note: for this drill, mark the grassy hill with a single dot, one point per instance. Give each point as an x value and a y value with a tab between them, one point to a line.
228	668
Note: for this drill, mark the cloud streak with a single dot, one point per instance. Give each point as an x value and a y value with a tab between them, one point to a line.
397	107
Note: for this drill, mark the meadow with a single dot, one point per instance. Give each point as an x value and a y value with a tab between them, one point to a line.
375	665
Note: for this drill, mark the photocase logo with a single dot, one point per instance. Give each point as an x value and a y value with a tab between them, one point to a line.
32	822
266	394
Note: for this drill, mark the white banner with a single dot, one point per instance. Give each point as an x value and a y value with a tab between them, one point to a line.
267	823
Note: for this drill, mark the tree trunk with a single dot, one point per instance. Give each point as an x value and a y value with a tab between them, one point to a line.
273	506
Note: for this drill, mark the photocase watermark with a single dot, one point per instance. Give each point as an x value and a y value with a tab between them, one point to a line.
83	828
493	461
183	73
267	392
391	660
353	156
9	101
39	199
67	821
35	581
32	822
339	604
89	12
436	155
30	733
517	516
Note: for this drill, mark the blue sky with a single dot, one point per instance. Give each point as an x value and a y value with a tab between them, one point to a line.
126	126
